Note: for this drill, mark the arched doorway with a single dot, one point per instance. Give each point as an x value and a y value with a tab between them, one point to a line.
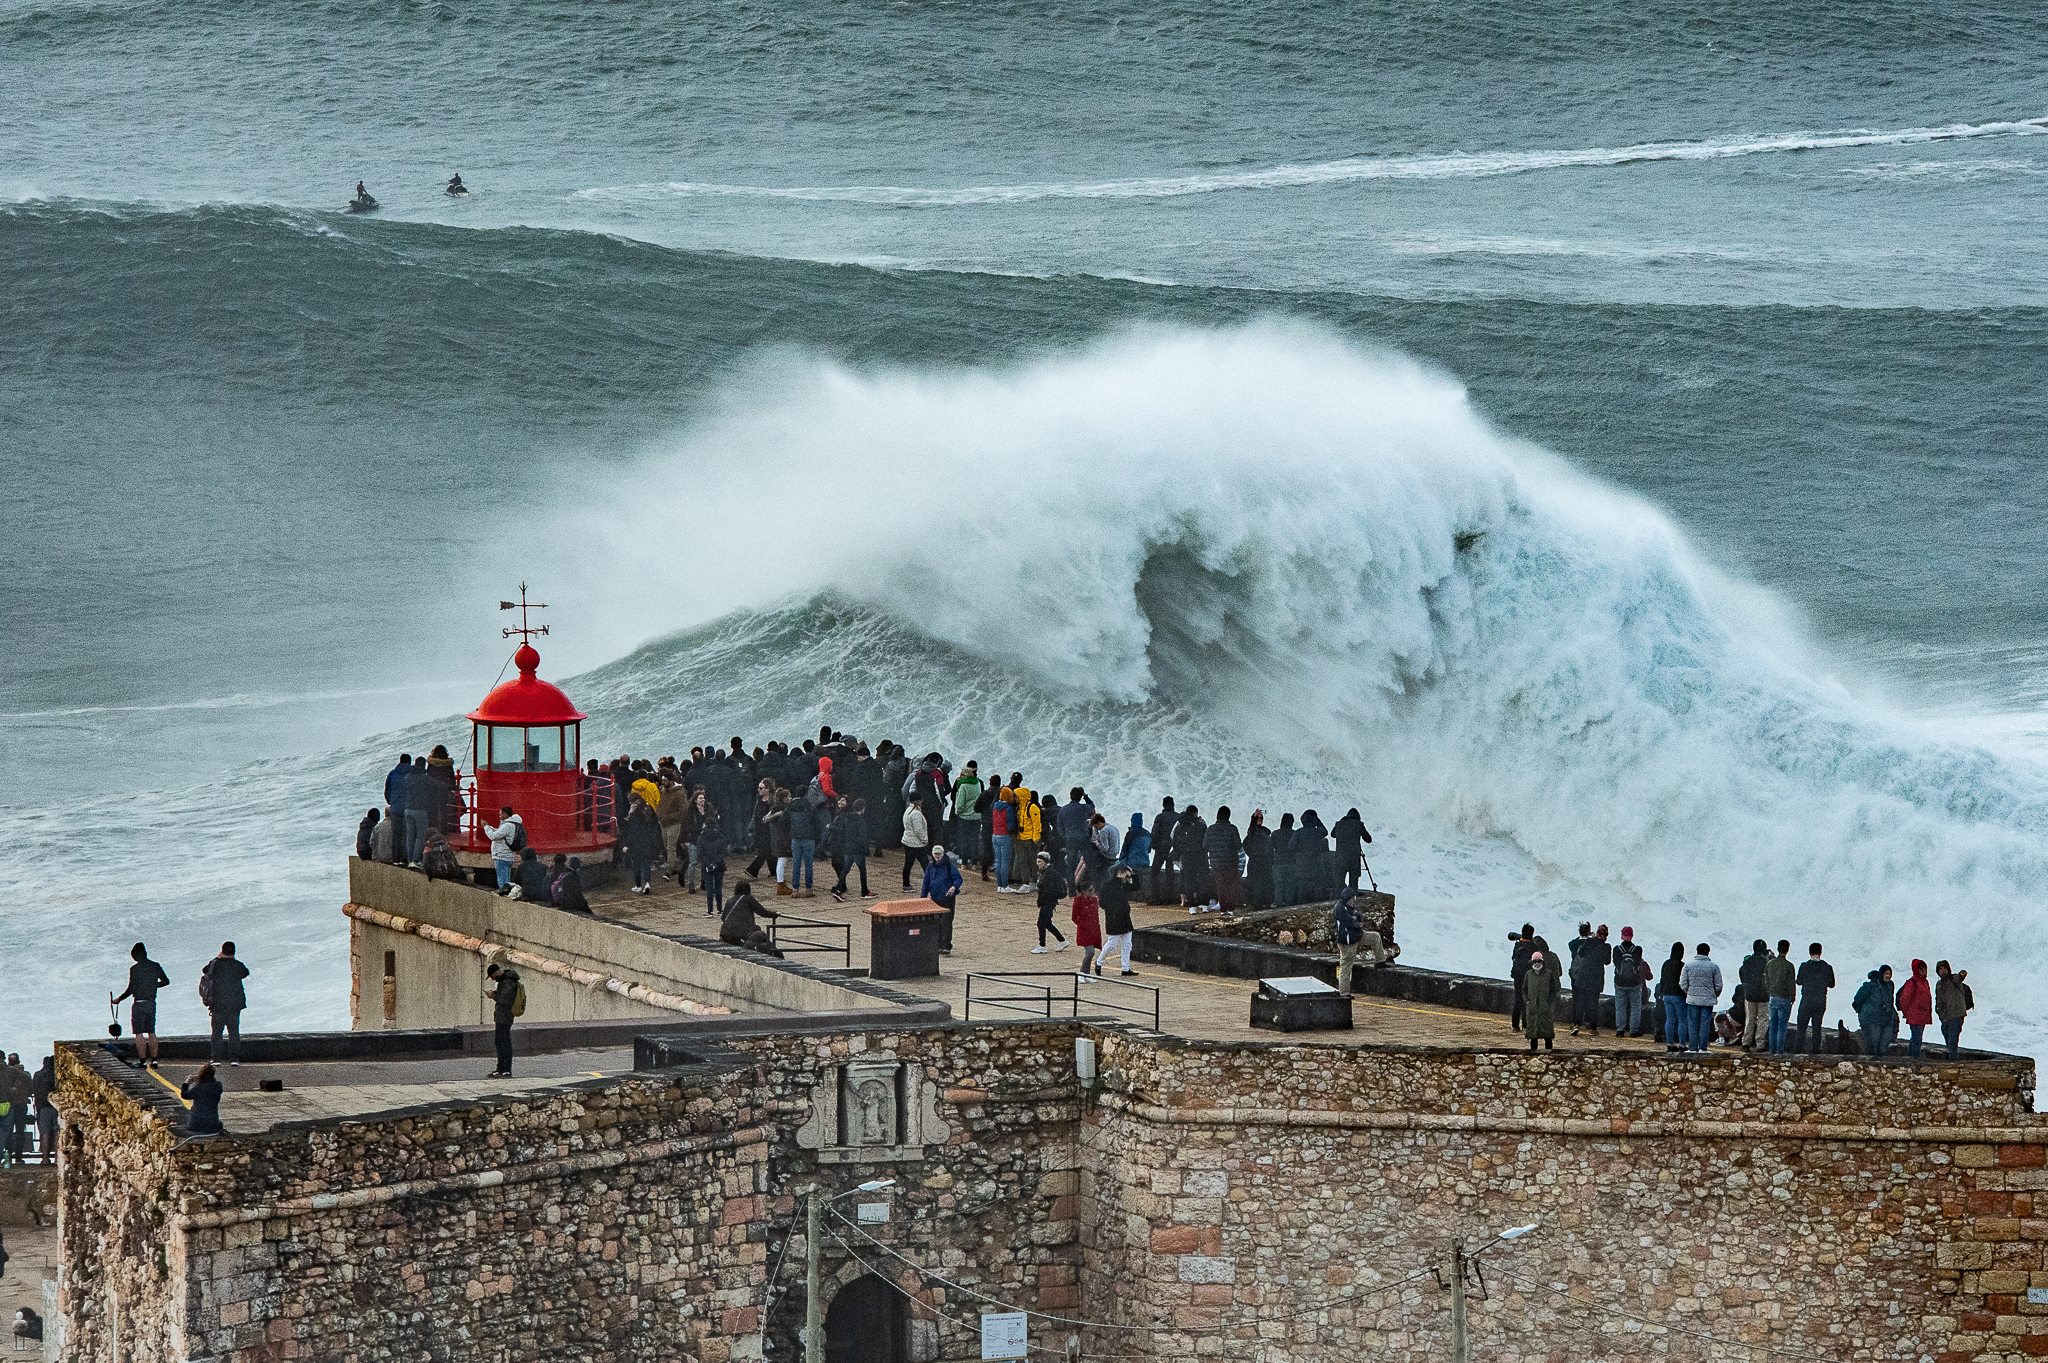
865	1324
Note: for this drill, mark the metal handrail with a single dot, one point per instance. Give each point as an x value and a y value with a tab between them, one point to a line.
802	945
1022	980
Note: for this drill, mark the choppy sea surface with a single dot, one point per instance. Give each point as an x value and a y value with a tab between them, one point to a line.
1603	442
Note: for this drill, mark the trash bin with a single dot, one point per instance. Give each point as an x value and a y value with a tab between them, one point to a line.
1300	1004
904	938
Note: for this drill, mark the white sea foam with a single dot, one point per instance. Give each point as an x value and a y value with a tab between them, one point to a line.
1254	536
1444	166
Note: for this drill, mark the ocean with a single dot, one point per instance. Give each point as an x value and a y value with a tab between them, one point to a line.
1601	442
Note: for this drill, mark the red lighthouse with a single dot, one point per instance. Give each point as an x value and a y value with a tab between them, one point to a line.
527	752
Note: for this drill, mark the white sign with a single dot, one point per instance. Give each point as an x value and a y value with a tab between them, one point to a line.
872	1213
1003	1335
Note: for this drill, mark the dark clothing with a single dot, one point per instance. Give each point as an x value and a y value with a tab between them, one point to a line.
568	892
1116	906
1221	844
220	985
366	830
1072	821
229	1022
1816	977
531	876
504	995
145	977
205	1099
1751	977
1160	891
394	786
1590	956
439	863
1518	971
738	925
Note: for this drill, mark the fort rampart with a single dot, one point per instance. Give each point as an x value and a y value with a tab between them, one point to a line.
1195	1200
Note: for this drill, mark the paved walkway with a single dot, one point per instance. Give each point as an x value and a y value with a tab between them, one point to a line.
322	1090
994	933
32	1254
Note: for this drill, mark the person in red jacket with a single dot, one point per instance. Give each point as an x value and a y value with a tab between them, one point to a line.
1916	1006
1087	915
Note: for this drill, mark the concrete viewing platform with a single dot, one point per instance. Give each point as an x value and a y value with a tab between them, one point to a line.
994	933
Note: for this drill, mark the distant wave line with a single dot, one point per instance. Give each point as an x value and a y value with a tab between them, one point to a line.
233	702
1456	165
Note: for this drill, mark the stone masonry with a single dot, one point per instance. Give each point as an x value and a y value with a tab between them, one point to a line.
1255	1201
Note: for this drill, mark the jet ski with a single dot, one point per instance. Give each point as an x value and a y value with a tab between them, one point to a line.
457	189
362	203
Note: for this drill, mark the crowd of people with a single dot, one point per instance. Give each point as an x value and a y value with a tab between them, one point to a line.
836	800
28	1114
1777	1004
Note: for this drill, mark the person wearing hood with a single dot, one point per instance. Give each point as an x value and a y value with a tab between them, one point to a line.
1671	998
446	815
1952	1003
1916	1006
1877	1014
849	849
1221	846
45	1089
1159	890
1283	866
1137	848
1546	974
1701	981
366	835
1350	836
1312	864
1258	862
711	853
1189	836
530	878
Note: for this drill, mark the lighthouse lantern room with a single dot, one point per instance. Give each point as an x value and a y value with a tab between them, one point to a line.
527	752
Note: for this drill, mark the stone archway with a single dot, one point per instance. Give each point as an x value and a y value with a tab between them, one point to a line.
866	1323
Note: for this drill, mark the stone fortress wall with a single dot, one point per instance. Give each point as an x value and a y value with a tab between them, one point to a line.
1255	1201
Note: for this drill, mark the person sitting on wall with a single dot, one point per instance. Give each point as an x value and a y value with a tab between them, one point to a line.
530	880
738	927
203	1091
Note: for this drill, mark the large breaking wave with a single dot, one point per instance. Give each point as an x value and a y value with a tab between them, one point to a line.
1265	565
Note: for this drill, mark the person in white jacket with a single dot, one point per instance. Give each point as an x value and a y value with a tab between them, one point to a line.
1701	980
917	836
505	836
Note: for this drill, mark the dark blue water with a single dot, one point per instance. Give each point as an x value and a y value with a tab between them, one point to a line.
761	307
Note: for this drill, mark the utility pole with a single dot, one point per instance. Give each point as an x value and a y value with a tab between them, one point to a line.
1459	1351
814	1316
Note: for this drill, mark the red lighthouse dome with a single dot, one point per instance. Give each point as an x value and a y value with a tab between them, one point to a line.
527	753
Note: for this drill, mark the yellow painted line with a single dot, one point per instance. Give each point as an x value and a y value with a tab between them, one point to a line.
169	1085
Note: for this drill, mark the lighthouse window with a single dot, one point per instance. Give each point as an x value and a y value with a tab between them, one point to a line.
513	748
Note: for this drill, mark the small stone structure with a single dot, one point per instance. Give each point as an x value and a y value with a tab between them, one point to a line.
1256	1202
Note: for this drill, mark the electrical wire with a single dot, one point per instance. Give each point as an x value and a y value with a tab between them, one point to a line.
1660	1325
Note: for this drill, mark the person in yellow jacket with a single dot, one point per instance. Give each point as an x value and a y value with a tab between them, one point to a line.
1030	827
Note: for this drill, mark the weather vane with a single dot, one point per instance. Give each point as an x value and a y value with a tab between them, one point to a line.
523	606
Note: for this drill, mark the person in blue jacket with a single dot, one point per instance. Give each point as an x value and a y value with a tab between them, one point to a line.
942	886
1877	1012
394	798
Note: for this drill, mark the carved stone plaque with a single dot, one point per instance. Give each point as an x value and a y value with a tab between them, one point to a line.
873	1110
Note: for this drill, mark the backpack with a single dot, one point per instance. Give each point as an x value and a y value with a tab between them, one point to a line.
206	986
519	1001
519	837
